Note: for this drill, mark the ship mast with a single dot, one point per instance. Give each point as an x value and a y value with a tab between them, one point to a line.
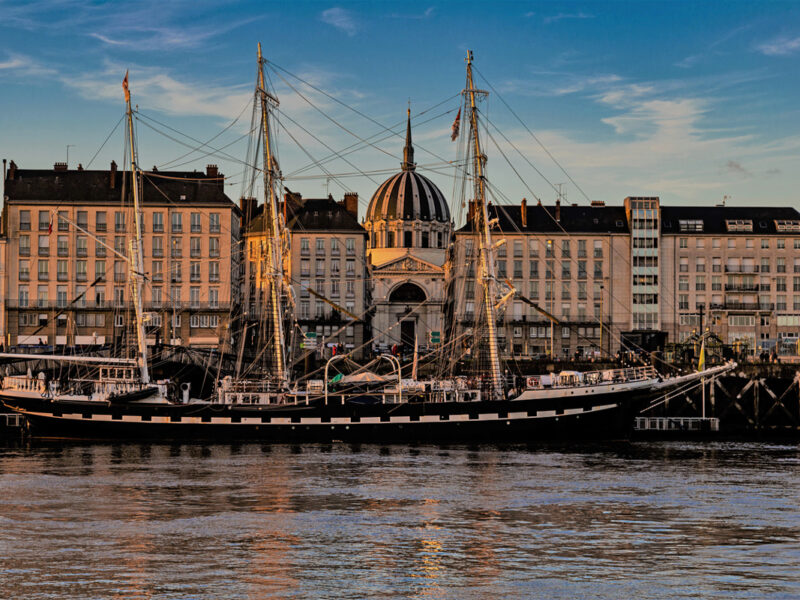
486	248
135	259
274	266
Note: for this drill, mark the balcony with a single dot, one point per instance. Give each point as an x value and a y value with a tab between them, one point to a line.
80	277
741	287
158	253
100	227
158	228
24	251
746	306
213	253
63	252
62	277
120	277
158	277
24	276
24	225
195	253
44	251
742	269
213	278
44	276
81	252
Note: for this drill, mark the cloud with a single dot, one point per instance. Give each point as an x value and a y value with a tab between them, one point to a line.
341	19
20	65
734	166
428	13
562	16
529	14
782	46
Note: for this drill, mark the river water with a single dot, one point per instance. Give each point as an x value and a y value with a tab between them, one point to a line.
626	520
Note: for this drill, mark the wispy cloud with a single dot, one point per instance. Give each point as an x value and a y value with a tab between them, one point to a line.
562	16
427	14
341	19
782	46
21	65
529	14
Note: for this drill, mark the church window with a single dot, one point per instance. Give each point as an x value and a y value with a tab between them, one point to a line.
390	239
425	236
439	239
408	239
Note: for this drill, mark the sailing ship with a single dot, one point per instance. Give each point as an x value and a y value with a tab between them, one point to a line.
361	406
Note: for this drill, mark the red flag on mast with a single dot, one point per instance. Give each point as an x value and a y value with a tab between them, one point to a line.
125	87
456	126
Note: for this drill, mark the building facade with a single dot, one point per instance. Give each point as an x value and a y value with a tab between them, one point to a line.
326	259
67	236
409	232
573	262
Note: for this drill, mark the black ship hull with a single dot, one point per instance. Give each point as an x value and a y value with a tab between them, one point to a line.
603	416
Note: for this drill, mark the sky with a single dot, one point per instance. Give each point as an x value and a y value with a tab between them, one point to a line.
688	101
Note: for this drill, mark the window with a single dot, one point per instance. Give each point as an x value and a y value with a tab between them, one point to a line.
158	222
119	245
350	245
44	270
158	270
41	294
23	296
598	269
780	284
80	296
683	283
158	246
565	270
175	274
61	296
408	239
119	221
194	247
335	287
305	309
517	248
100	269
565	249
350	288
44	245
683	243
501	268
739	224
119	271
24	220
784	225
304	246
517	269
119	320
334	266
213	271
731	243
44	220
213	222
100	246
100	220
24	245
693	225
156	297
581	248
24	270
196	227
194	272
213	247
320	246
213	298
534	269
700	243
684	265
683	301
335	246
780	266
176	247
177	222
598	249
61	270
700	283
350	265
781	244
194	297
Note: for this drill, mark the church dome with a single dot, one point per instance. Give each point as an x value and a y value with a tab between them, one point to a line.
408	196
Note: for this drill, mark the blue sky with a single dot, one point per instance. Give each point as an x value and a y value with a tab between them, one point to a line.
687	101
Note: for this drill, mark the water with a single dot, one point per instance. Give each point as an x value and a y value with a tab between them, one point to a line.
655	520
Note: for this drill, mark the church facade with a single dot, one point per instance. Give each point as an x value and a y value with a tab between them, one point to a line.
409	231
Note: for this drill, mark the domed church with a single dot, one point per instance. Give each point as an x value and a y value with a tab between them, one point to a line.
409	231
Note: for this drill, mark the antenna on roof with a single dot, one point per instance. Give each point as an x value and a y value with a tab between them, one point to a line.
68	147
725	198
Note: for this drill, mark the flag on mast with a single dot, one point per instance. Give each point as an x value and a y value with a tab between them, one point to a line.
125	87
456	126
50	226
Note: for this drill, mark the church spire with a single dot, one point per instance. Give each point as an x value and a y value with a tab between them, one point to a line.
408	152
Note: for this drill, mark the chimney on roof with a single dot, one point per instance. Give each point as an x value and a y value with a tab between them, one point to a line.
350	204
558	210
523	212
212	171
112	179
155	169
60	166
12	170
80	167
598	203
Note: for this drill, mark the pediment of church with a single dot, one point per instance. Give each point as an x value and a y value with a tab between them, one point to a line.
406	264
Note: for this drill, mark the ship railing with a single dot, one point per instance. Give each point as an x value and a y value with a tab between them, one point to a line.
591	378
21	383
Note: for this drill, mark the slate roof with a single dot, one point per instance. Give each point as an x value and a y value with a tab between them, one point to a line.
312	214
714	219
94	187
574	219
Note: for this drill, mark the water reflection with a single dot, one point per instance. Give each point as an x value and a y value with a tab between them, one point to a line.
361	521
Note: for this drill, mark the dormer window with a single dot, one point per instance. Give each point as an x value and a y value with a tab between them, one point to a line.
735	225
783	225
691	225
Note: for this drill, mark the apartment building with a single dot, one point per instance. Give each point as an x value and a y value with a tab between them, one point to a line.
326	258
733	270
571	261
67	236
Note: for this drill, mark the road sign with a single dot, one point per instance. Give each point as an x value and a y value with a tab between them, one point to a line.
436	337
